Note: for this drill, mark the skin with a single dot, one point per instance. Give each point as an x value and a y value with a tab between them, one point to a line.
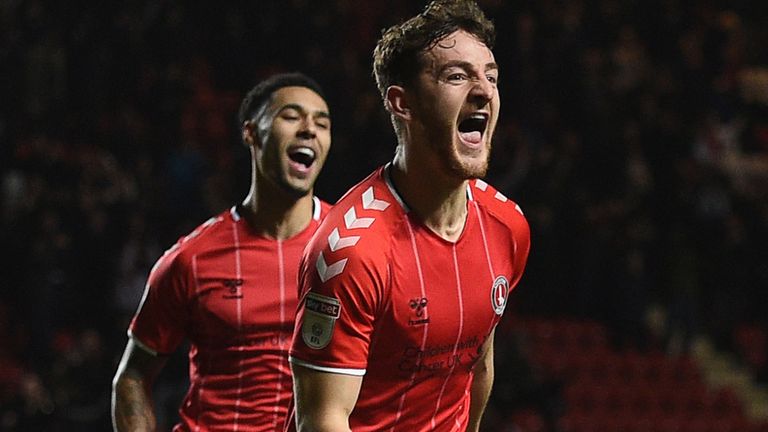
481	385
132	404
324	401
294	117
458	78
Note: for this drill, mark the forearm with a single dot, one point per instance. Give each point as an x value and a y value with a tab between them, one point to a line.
481	391
482	383
132	406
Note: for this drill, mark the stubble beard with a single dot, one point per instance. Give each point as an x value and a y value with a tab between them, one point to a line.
446	148
471	169
464	168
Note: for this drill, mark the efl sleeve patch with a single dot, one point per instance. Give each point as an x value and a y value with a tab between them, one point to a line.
322	305
320	315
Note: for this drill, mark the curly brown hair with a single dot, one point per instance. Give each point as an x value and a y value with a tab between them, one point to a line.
396	58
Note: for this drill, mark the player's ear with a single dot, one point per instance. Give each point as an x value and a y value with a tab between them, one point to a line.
397	103
249	134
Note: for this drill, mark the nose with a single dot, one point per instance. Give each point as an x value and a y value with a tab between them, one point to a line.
483	90
308	128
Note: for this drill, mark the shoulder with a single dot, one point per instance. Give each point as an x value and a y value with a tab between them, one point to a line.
203	237
498	206
358	229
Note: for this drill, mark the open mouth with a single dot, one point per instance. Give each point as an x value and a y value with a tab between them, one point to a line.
471	129
303	156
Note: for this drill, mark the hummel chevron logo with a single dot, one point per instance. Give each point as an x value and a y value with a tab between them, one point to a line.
351	220
483	186
336	242
328	271
369	202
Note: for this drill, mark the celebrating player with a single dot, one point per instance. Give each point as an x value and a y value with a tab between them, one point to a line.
405	280
229	287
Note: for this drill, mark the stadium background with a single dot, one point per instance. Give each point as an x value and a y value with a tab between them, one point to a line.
634	134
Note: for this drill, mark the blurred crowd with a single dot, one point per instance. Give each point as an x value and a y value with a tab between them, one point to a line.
634	135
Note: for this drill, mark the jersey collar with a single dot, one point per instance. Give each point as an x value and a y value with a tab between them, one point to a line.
316	210
388	180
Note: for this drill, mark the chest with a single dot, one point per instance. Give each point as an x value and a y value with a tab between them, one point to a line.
245	290
444	300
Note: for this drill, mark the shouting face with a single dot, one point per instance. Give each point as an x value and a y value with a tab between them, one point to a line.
457	103
294	136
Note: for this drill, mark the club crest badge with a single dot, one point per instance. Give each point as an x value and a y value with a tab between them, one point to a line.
499	294
320	315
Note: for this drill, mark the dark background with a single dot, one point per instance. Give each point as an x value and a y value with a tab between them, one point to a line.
633	134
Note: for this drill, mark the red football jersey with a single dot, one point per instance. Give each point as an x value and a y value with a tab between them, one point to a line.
233	295
386	298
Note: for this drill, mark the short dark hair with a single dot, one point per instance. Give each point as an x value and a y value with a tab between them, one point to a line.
396	58
259	95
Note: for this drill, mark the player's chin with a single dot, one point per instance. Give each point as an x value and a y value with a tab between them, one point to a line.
469	168
298	188
475	171
471	165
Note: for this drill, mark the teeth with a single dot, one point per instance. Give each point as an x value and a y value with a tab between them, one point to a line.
305	151
478	116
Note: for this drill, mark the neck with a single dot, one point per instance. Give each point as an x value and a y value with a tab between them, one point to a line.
275	214
440	202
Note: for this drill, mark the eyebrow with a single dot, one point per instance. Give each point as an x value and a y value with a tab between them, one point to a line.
298	107
467	65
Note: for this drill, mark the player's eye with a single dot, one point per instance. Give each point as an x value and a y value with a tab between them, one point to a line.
290	114
323	124
457	77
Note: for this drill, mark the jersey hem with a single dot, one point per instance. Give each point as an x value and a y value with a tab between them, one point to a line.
343	371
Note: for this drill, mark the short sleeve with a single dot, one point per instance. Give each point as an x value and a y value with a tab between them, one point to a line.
341	293
521	235
161	320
